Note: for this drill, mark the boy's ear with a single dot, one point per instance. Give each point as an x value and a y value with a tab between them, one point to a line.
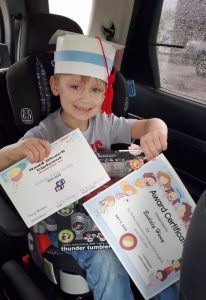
53	85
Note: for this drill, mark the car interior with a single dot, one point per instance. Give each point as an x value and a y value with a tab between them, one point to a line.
154	79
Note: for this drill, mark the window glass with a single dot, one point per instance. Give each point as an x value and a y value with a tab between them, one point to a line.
77	10
181	48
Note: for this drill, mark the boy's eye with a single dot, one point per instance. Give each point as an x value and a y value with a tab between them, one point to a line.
98	90
75	87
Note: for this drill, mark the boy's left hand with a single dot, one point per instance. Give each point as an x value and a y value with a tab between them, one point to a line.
153	143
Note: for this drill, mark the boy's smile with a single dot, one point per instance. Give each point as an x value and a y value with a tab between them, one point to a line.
81	98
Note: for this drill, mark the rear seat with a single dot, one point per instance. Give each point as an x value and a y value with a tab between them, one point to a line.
8	129
12	229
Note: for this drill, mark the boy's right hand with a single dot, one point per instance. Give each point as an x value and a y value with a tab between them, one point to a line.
34	149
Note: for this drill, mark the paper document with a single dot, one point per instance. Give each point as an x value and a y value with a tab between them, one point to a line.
71	171
145	217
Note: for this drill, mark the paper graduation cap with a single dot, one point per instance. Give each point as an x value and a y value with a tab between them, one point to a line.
90	56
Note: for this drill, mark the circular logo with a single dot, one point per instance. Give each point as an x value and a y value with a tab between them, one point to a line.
78	227
66	211
66	236
128	241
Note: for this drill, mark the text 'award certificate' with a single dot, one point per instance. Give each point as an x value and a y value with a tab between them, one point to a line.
71	171
145	217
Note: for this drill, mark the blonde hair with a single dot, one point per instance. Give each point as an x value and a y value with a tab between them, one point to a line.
84	78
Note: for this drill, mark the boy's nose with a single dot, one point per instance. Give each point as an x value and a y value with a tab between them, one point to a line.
85	95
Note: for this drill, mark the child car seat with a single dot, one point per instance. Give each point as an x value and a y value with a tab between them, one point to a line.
32	101
10	233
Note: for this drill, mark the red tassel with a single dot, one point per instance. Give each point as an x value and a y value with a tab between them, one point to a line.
107	104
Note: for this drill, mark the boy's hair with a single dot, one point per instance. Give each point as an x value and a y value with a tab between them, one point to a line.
84	78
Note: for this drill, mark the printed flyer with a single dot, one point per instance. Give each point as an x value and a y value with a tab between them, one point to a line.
145	217
75	228
41	189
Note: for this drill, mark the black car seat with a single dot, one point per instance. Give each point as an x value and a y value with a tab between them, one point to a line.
32	101
11	233
8	130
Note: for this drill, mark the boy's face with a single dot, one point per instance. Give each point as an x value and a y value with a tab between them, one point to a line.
81	99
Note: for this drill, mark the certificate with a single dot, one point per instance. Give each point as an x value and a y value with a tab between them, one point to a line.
145	217
71	171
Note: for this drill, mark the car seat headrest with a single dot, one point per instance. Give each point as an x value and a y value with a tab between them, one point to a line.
36	31
5	60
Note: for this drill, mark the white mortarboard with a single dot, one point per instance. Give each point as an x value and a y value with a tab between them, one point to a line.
83	55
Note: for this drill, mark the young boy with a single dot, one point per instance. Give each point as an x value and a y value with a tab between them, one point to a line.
82	80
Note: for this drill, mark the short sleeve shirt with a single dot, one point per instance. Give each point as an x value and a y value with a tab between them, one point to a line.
103	130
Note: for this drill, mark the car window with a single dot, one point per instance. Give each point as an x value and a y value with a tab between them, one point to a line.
77	10
181	48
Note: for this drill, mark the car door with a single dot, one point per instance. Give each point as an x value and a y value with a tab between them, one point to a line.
166	83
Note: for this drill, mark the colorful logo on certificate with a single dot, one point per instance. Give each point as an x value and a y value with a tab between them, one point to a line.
128	241
59	185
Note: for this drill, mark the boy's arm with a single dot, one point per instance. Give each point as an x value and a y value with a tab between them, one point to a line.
152	134
34	149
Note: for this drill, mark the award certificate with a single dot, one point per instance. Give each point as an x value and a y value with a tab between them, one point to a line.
145	217
71	171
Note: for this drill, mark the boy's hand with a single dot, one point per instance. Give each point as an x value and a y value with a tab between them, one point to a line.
34	149
153	143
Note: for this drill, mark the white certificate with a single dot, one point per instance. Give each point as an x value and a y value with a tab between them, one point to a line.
145	217
71	171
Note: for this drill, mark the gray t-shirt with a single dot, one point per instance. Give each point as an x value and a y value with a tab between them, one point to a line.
103	130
